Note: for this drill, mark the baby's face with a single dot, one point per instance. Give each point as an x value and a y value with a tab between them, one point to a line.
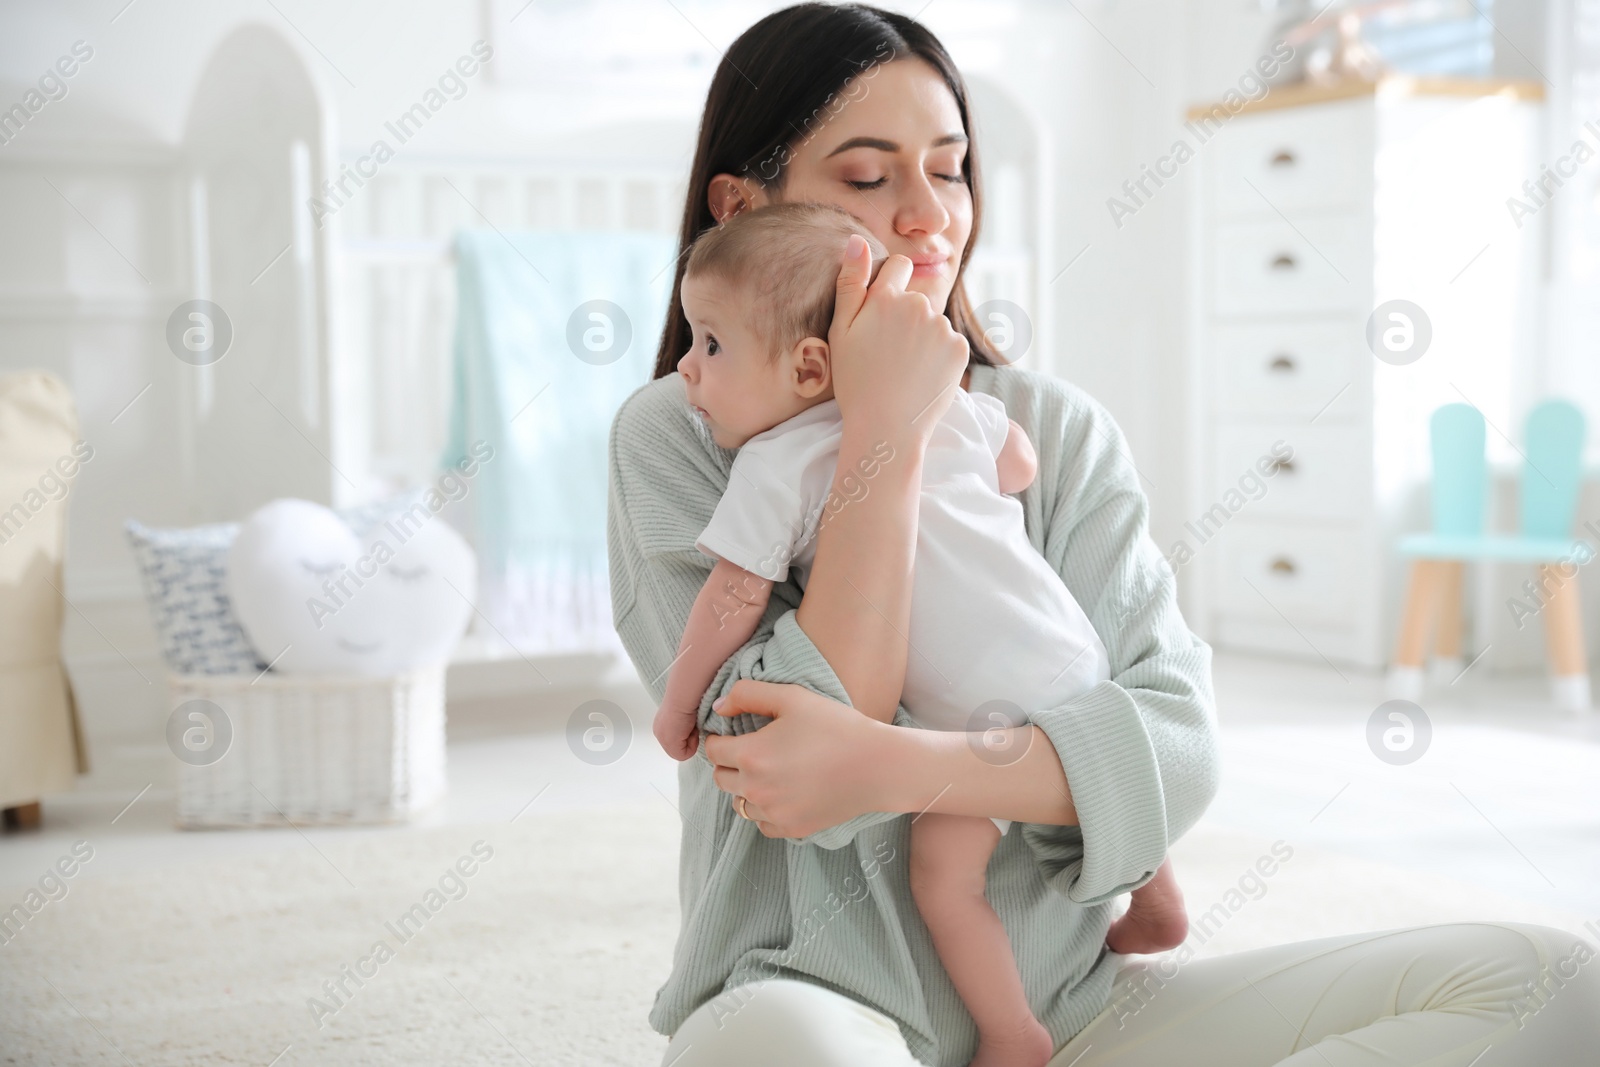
727	374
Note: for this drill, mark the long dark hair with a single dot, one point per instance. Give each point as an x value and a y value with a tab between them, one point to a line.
801	57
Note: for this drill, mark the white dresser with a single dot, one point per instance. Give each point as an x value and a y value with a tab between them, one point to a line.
1311	208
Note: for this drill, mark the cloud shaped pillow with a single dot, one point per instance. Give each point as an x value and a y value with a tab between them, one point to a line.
316	599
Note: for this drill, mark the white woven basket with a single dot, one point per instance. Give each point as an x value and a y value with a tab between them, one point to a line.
315	751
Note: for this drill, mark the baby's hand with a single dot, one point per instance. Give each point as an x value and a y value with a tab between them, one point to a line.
678	731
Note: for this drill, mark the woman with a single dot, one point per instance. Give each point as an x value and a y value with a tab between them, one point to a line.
810	951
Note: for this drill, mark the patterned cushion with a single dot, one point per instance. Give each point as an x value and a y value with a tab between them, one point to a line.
183	571
184	582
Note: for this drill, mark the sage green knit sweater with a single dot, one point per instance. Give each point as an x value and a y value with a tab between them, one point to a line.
835	908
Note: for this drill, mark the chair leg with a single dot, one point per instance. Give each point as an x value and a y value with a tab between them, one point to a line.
1448	661
23	816
1563	623
1416	624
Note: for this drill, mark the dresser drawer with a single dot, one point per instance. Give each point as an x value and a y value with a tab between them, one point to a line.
1326	474
1298	160
1290	369
1270	267
1308	573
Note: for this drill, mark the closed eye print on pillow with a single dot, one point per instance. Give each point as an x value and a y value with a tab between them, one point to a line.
308	587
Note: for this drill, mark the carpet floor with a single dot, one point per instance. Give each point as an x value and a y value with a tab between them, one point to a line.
549	952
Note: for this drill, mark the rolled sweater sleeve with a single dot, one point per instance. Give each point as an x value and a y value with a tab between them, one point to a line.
1140	749
665	478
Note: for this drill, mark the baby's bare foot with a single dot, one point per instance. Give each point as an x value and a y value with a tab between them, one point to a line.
1030	1046
1155	920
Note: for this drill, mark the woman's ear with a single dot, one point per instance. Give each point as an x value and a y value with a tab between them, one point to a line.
809	367
728	195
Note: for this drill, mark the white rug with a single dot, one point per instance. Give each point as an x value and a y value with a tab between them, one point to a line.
552	956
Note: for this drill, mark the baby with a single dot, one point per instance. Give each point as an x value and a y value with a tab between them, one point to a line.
993	630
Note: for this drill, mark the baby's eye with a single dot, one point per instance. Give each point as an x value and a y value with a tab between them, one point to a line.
712	347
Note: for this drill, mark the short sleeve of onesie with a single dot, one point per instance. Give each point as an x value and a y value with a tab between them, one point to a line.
769	512
994	420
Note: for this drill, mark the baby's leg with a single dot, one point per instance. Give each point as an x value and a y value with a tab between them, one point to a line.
949	863
1155	920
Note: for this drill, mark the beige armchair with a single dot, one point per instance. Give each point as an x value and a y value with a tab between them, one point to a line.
41	742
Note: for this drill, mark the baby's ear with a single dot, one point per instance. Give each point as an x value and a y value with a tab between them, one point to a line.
811	369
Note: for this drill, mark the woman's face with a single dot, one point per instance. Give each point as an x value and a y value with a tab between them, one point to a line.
891	156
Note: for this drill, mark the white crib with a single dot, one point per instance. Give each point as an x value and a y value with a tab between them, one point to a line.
395	314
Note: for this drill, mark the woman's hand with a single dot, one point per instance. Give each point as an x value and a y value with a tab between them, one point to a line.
817	764
895	358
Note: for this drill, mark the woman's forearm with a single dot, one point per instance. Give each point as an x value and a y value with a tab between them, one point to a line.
857	603
940	771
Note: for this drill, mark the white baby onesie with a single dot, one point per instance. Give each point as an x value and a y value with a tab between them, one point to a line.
994	632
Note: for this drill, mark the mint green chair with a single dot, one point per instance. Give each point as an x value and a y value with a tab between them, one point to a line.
1550	481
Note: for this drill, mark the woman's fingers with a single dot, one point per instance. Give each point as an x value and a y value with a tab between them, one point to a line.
735	784
851	289
892	350
727	778
770	699
805	769
759	698
893	276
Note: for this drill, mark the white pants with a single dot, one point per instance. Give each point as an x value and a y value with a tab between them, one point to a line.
1489	994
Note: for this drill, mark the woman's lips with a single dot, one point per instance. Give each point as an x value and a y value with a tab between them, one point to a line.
924	266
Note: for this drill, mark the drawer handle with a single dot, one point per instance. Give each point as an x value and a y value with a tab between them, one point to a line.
1282	565
1286	466
1283	158
1282	365
1284	261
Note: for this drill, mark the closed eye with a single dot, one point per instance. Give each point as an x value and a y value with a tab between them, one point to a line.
415	574
320	569
953	179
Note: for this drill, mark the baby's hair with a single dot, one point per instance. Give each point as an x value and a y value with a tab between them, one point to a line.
785	259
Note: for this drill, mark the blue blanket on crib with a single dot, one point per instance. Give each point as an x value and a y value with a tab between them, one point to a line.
553	331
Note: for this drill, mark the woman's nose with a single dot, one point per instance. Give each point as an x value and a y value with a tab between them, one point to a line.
921	210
